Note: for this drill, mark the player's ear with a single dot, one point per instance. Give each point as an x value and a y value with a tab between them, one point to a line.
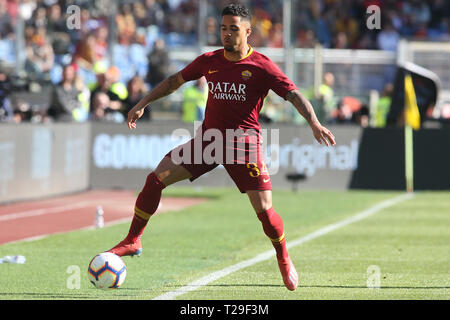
247	25
248	29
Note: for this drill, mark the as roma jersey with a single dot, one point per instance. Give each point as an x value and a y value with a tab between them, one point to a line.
237	88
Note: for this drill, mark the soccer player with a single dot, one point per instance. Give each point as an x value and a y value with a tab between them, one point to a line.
239	79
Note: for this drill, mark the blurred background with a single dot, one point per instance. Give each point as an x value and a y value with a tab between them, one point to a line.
71	70
80	60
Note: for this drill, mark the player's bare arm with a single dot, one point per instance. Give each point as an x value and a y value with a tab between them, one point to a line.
163	89
304	107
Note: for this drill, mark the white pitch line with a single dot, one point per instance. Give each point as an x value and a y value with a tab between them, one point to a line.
45	235
196	284
39	212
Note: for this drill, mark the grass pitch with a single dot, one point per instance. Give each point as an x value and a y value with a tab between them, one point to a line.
407	243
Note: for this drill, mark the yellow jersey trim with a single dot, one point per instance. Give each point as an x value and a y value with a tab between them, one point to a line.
248	54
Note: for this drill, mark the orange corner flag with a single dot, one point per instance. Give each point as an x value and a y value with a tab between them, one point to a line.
412	114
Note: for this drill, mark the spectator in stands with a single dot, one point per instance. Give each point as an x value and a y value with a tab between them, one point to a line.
346	24
212	32
155	14
102	109
306	39
184	20
84	55
6	110
263	21
101	43
362	116
440	15
365	42
57	30
22	112
39	17
81	114
140	15
113	74
100	102
87	25
383	106
158	63
39	54
276	36
136	91
6	27
347	107
126	24
445	35
324	97
388	38
417	10
104	82
64	97
194	101
340	41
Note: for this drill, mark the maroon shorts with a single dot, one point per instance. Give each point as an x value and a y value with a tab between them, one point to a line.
247	169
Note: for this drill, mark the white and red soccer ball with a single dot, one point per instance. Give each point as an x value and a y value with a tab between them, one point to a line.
107	271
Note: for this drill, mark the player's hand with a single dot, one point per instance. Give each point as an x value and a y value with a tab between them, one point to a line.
133	115
323	135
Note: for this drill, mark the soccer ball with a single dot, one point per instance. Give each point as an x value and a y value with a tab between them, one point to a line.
107	270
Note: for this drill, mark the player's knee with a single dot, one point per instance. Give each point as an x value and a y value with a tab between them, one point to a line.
148	199
263	208
262	205
169	173
265	213
260	200
152	183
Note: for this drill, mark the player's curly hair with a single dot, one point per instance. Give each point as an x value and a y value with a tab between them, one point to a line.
238	10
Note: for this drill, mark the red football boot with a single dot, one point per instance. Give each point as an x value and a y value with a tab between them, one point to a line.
128	248
290	277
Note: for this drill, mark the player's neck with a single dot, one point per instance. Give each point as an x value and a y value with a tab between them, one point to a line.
238	54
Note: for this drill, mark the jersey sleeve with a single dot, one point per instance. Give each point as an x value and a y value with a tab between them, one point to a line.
278	81
193	71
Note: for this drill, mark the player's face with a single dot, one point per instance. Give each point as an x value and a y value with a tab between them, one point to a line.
234	32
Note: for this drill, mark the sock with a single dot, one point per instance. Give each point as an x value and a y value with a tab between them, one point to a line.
146	204
273	228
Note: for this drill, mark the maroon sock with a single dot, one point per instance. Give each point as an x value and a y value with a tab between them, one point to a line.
146	204
273	228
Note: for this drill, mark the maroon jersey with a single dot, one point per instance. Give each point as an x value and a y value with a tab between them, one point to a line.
237	89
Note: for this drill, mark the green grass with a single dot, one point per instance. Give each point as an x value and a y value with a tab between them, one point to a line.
408	242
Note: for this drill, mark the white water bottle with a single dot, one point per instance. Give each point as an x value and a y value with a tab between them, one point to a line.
99	220
13	259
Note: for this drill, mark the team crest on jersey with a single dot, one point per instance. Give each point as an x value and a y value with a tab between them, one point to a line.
246	75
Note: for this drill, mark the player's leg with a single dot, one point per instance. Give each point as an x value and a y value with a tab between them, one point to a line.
147	203
272	224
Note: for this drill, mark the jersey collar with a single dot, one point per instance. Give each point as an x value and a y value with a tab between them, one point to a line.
248	54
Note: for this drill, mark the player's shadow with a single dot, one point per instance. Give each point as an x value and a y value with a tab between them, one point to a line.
40	295
244	285
325	286
365	287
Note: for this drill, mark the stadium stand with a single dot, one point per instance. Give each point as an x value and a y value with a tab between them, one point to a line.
127	36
